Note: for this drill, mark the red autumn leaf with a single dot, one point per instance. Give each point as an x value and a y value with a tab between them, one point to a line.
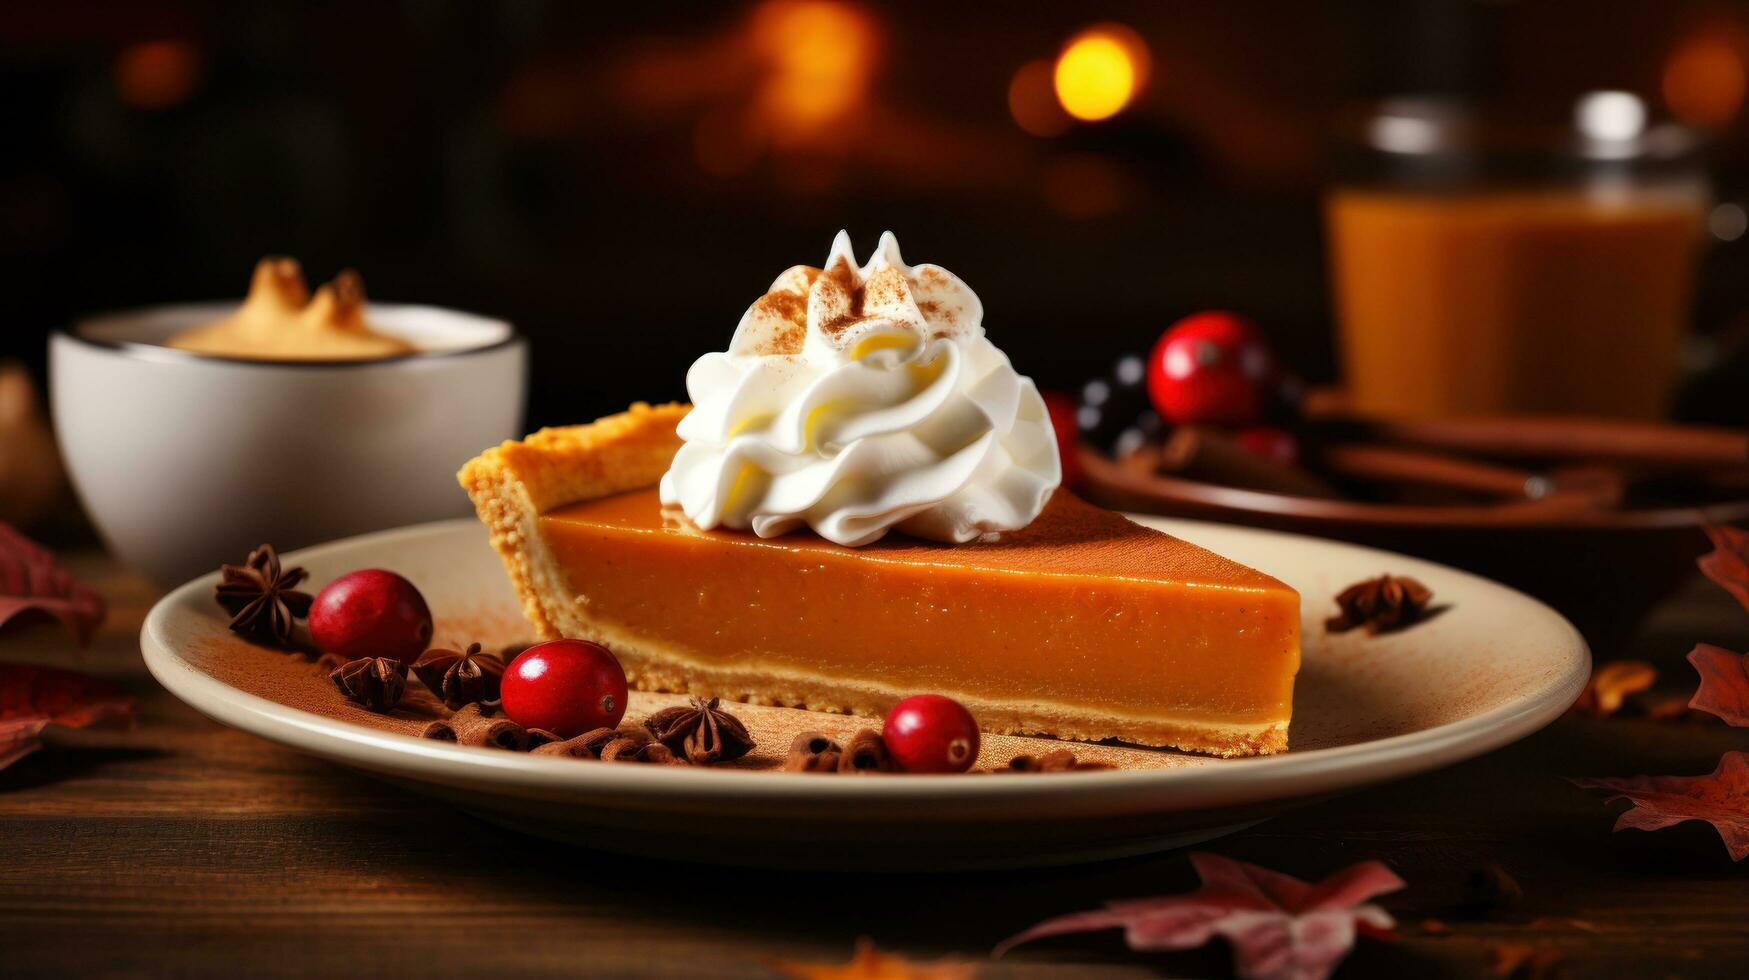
1728	562
33	698
1724	684
1280	928
32	582
1721	798
870	963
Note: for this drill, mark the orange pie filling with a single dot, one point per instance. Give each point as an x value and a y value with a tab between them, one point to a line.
1082	625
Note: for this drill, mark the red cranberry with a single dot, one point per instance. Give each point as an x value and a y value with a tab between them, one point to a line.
1062	409
565	686
1212	368
371	613
1272	443
930	733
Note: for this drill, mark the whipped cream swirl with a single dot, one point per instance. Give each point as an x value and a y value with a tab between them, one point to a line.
856	400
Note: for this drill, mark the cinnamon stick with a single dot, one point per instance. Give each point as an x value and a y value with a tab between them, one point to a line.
1396	464
1214	457
1651	444
585	746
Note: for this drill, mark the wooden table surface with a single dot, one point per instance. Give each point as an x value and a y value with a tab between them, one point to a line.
185	848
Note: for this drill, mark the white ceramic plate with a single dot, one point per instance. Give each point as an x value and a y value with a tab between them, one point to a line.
1494	666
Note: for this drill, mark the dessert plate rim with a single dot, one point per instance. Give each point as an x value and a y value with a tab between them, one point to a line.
1229	782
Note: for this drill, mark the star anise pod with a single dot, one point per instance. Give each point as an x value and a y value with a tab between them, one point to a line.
460	677
1380	604
701	731
373	682
262	598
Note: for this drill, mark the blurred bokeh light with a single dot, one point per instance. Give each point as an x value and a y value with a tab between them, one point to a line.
1032	100
157	74
1704	80
1100	71
553	163
818	57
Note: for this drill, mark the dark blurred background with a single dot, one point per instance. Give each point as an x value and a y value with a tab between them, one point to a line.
621	180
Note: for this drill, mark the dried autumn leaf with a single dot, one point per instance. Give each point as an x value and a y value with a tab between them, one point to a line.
32	582
1280	928
1611	683
1728	562
1524	961
1490	888
1673	707
1720	798
33	698
872	964
1724	684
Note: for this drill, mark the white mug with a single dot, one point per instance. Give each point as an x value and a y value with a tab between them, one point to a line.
188	460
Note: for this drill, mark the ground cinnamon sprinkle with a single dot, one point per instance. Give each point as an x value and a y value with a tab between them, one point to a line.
933	310
792	310
841	279
783	312
836	326
884	288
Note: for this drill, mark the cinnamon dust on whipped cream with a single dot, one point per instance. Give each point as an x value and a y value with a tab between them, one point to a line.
281	321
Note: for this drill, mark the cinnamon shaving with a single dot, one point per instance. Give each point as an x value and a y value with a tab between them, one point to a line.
479	724
867	752
539	738
635	746
813	752
585	746
1058	760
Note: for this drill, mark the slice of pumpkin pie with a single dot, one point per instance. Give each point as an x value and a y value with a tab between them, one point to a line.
863	505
